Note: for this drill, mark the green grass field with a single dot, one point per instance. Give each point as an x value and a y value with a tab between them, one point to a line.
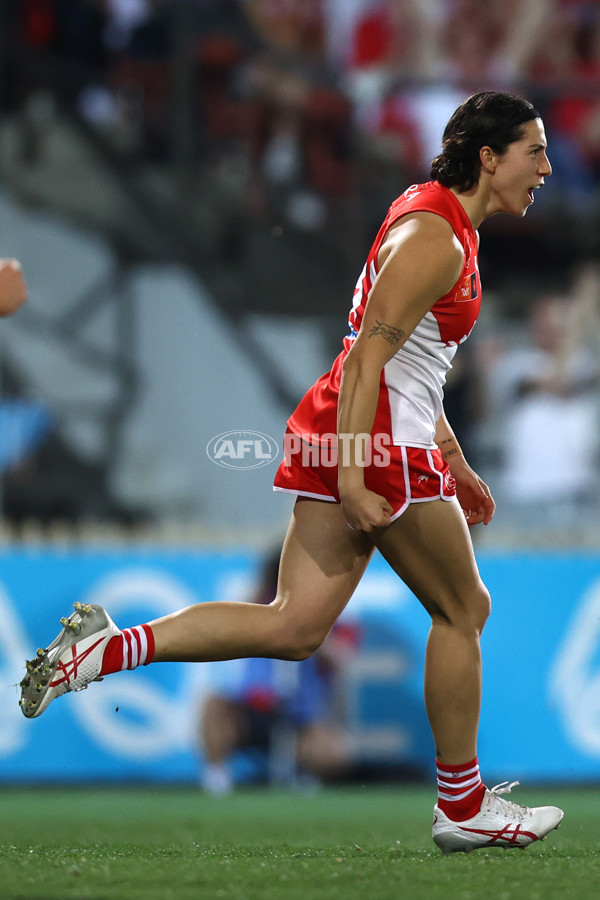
164	844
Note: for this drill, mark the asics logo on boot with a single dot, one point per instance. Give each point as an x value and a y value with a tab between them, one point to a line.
504	834
70	669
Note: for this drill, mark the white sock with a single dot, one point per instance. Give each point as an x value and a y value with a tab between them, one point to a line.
216	779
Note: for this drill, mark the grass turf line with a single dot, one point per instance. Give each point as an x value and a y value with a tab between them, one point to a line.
160	844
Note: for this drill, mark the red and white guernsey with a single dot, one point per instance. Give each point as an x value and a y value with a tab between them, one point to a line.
412	382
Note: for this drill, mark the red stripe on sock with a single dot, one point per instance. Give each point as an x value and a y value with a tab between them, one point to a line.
456	780
112	660
118	654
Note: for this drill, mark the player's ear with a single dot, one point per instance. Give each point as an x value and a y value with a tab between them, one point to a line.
489	159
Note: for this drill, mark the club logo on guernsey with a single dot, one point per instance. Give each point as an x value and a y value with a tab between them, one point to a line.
468	289
242	449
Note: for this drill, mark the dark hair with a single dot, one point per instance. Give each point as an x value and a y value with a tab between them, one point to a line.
492	118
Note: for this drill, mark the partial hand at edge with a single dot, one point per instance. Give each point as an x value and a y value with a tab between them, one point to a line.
473	494
13	290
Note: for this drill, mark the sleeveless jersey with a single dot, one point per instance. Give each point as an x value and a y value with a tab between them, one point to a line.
411	384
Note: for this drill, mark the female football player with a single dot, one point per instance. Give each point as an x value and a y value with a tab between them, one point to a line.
401	483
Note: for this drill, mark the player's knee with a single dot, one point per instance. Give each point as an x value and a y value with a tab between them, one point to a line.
300	645
481	606
477	607
294	640
469	611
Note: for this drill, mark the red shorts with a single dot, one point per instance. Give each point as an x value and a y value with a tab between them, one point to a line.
407	475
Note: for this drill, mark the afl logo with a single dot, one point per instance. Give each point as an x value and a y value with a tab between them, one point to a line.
242	449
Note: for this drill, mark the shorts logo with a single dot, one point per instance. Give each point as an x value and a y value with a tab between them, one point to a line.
242	449
449	482
423	479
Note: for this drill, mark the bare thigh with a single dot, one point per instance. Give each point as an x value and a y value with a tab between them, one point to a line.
430	548
322	562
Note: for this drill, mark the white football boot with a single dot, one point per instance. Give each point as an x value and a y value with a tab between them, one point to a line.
499	823
70	662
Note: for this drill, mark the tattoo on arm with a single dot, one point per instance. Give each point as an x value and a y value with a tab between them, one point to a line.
392	335
451	451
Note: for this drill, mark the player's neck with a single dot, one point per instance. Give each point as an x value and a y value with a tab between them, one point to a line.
474	203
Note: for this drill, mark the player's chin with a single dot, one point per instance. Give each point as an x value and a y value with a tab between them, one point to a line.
518	211
520	208
528	202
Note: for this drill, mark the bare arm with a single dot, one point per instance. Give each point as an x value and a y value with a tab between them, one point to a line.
473	494
420	261
13	291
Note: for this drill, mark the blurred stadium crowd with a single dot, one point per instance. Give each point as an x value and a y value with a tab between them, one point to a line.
305	118
291	85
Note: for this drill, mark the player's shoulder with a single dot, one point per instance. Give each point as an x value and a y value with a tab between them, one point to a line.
427	194
425	229
430	204
434	198
422	225
423	242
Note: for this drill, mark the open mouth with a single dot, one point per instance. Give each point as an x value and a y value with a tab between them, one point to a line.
534	188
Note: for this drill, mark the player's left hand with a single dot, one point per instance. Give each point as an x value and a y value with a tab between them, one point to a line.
473	495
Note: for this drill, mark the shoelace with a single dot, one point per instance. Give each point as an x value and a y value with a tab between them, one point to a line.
504	787
509	806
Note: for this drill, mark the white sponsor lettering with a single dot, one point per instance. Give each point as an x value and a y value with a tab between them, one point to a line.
13	649
575	675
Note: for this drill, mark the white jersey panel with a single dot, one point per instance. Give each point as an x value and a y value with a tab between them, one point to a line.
415	378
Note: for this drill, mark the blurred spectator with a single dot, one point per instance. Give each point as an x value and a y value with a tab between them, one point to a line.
24	426
285	711
551	390
377	46
277	84
410	62
73	28
302	145
568	65
495	42
124	20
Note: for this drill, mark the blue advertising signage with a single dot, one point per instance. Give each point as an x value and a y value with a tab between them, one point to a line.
541	648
